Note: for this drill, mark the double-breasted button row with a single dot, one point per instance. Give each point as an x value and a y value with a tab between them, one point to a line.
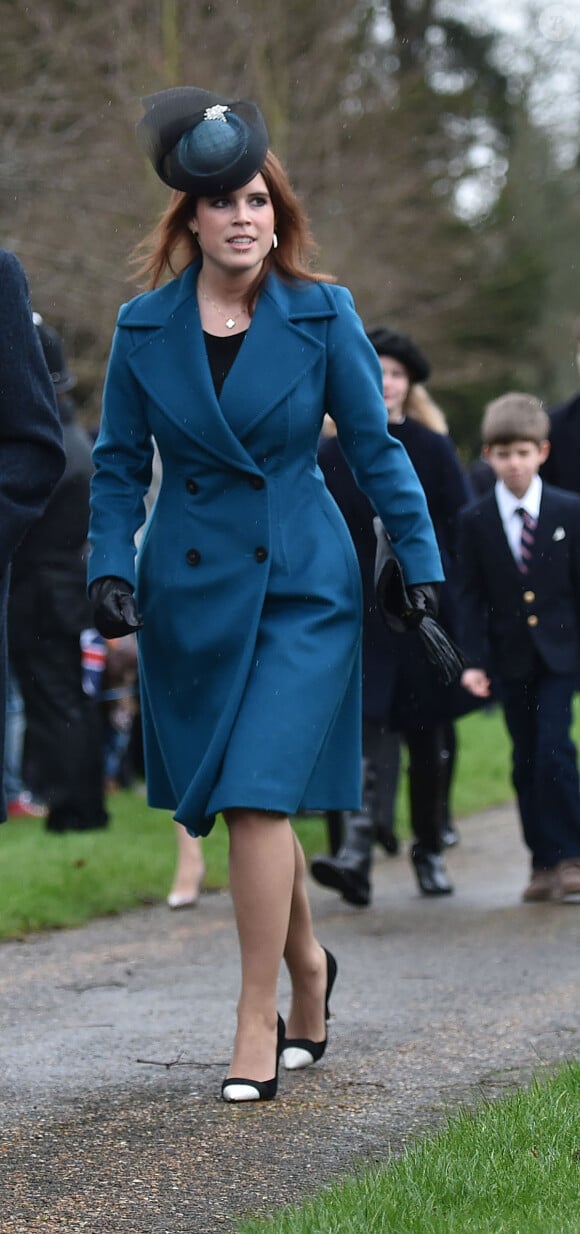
192	486
193	555
533	620
529	597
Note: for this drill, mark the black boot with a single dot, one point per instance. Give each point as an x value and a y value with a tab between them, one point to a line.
426	790
349	871
335	829
385	836
432	876
449	835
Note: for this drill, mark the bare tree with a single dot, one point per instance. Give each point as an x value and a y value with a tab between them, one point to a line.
376	109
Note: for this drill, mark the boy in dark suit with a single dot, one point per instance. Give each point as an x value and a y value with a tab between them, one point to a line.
519	549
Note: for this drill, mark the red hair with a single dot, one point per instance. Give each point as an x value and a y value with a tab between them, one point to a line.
171	246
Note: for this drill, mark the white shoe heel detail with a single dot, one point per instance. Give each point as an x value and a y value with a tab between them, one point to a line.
295	1058
179	899
240	1092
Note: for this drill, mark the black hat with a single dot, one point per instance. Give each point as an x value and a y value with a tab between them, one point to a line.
402	348
53	348
202	143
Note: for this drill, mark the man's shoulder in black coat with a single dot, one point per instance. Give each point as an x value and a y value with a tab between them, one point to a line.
561	466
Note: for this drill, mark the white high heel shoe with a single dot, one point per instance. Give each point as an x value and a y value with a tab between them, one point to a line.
182	899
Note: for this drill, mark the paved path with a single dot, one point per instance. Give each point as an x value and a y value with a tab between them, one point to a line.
115	1038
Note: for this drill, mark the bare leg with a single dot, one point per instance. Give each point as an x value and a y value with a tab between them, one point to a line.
189	870
262	861
306	961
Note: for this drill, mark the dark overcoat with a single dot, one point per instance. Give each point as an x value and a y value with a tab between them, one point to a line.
562	467
32	457
247	579
507	616
48	584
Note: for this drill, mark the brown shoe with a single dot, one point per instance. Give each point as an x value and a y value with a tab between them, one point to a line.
543	885
569	879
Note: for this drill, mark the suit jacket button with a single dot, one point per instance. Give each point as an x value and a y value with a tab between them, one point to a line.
529	597
532	620
256	482
192	486
193	556
260	553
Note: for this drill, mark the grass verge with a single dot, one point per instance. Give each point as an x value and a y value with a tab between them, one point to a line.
512	1167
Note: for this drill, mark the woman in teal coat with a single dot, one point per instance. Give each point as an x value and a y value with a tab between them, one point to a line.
247	587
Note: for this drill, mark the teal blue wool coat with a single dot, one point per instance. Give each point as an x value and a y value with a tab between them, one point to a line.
246	576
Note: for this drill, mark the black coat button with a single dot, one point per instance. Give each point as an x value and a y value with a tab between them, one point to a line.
193	556
257	482
260	553
192	487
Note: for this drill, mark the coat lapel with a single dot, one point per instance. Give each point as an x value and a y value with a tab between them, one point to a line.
548	521
169	359
506	559
274	358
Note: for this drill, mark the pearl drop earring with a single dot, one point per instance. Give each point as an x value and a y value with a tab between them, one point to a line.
274	241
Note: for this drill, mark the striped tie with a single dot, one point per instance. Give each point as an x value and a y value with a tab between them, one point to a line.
527	539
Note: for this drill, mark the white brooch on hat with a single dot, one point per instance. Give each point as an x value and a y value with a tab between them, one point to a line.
216	112
559	534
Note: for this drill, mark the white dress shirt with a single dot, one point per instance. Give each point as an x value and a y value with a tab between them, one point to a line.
507	505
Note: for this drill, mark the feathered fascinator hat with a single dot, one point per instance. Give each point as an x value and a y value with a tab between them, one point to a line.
201	143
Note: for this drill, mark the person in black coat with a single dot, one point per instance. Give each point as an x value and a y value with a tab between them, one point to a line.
399	691
31	453
520	619
561	466
48	609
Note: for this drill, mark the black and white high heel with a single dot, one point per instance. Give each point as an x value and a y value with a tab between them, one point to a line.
299	1052
236	1089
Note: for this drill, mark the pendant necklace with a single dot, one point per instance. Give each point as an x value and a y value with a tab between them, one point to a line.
229	320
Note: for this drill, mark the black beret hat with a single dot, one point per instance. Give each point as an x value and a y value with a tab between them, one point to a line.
200	142
402	348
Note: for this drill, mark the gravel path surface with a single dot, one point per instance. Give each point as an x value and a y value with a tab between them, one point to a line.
115	1038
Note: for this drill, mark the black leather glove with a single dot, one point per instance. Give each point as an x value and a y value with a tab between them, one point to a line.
114	609
423	602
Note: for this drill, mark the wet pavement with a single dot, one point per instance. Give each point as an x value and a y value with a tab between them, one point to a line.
116	1036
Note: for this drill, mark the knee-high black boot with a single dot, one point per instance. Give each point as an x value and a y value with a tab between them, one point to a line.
426	781
349	871
335	830
448	755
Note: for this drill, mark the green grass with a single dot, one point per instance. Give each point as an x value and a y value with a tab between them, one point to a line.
511	1168
51	881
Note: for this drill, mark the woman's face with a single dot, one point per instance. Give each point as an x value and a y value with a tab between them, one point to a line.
396	386
235	231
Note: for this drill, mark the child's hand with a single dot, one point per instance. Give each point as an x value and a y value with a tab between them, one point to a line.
477	682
